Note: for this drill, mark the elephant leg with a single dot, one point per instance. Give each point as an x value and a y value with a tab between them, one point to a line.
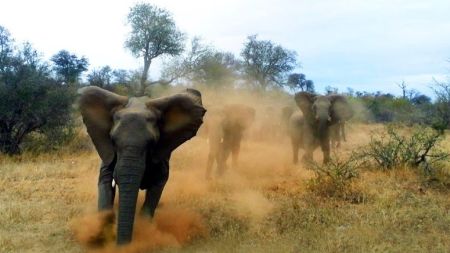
325	145
235	149
158	178
209	163
223	157
334	136
308	156
152	197
309	145
338	137
295	146
106	192
343	131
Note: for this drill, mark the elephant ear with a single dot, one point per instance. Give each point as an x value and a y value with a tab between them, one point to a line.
304	101
181	117
97	107
340	108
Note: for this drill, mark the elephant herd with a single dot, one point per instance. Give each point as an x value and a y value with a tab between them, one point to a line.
135	136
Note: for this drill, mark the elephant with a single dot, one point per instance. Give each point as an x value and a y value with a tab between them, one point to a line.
320	113
295	130
134	137
213	129
225	132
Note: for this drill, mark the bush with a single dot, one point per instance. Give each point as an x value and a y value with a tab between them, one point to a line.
336	178
31	100
418	148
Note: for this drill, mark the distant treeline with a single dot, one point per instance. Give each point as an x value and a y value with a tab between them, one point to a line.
410	108
37	96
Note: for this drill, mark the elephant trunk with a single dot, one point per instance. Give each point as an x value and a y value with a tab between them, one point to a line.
130	170
323	127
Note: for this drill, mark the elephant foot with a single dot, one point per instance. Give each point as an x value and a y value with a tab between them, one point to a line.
307	162
106	194
147	212
102	231
307	159
152	197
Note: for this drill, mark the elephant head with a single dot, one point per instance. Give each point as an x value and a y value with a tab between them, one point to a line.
130	132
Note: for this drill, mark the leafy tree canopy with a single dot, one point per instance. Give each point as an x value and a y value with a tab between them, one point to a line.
30	99
69	67
266	63
153	33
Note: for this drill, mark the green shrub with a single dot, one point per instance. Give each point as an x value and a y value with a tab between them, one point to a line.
31	100
396	148
336	178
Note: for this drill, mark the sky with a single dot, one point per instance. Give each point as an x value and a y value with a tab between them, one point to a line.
367	45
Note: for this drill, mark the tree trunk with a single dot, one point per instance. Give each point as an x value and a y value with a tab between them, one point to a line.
144	77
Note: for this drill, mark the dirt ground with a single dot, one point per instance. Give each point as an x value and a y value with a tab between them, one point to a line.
48	204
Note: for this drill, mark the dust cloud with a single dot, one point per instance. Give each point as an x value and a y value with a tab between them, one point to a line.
169	228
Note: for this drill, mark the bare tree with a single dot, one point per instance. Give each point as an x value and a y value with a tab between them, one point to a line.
153	34
403	87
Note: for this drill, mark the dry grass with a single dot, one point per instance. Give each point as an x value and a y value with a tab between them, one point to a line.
261	206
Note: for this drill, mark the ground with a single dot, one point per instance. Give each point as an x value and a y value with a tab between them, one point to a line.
48	202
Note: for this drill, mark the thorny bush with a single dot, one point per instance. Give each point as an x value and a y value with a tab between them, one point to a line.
335	179
417	148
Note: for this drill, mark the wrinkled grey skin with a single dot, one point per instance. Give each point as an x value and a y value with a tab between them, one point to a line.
225	132
320	113
134	138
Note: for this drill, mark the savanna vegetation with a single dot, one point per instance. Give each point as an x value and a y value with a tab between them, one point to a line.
385	190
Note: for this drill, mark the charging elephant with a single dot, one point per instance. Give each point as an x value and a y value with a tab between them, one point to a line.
320	113
295	128
134	138
225	132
